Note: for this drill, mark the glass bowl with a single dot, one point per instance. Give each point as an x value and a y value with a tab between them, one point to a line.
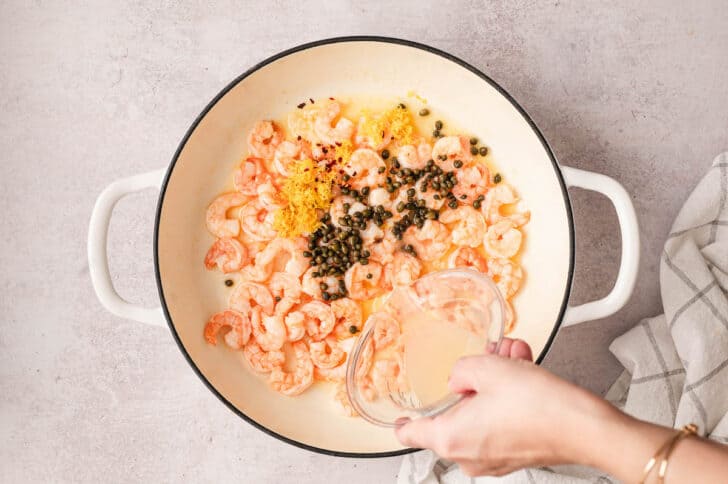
400	365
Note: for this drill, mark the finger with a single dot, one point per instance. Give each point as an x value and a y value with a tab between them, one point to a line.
465	373
519	349
417	433
505	347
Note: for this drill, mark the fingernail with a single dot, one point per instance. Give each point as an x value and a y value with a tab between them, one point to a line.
401	421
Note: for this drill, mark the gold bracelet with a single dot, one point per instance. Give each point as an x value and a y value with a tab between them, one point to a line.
669	445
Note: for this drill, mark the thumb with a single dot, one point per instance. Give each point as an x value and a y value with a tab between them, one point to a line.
416	433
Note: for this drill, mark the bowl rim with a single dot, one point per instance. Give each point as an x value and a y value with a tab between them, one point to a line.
294	50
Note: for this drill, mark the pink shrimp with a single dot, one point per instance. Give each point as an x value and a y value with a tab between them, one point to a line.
430	242
348	315
468	225
467	257
472	181
250	175
248	295
365	167
264	138
382	250
297	381
283	255
388	376
503	239
364	141
451	148
386	329
402	271
319	319
330	130
295	322
326	353
269	331
227	254
238	324
507	275
216	218
336	374
360	285
284	285
287	154
312	285
257	221
263	361
414	157
499	197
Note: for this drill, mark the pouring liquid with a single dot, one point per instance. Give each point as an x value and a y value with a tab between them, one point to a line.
432	346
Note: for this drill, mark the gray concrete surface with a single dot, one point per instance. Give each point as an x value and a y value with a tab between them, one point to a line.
96	91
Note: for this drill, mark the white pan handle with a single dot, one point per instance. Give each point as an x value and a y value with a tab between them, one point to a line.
97	261
630	246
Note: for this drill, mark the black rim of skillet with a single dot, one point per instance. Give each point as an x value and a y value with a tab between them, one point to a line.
302	47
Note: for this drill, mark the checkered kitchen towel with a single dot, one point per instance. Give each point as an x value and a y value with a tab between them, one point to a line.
676	364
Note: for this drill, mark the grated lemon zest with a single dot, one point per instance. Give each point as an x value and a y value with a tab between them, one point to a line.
397	122
306	191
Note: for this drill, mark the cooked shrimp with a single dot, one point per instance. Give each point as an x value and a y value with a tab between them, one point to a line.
409	158
367	388
283	255
330	131
402	271
264	138
268	195
370	234
218	223
430	242
269	331
263	361
250	174
358	283
295	322
451	148
503	239
319	319
284	285
467	257
312	285
342	396
257	221
348	314
498	197
472	181
297	381
386	329
364	168
238	324
388	376
336	374
227	254
286	155
468	225
507	275
248	295
383	250
380	196
326	353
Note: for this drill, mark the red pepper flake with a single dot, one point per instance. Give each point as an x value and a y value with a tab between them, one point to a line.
306	169
318	144
298	137
341	172
312	101
301	106
353	174
340	159
325	150
331	98
337	143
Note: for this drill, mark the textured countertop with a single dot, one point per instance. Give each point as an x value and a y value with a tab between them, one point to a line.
92	94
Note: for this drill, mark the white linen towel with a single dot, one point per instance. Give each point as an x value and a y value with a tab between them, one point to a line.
676	364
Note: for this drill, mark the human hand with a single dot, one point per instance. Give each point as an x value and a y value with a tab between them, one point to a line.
516	415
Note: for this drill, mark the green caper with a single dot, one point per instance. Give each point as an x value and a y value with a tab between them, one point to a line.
424	112
438	124
381	169
365	191
346	177
307	254
323	286
473	140
345	190
473	150
229	282
457	164
452	204
497	178
400	207
431	214
385	154
436	133
401	106
395	162
390	189
325	296
463	197
353	329
363	261
476	204
483	151
421	202
277	298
